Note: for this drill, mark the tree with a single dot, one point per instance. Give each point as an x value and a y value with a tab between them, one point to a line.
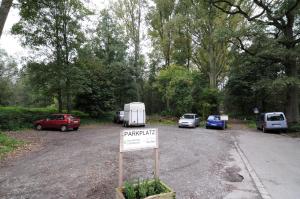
160	20
8	71
254	82
4	10
53	27
278	23
211	48
108	82
175	86
129	13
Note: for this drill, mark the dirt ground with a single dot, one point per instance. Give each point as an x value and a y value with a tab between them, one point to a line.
84	164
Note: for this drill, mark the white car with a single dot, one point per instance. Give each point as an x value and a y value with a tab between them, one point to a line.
189	120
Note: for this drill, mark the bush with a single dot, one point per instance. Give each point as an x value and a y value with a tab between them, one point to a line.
15	118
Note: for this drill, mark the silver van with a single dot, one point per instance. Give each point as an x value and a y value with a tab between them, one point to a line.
272	121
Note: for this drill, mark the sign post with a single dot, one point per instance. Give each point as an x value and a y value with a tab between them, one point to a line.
138	139
224	118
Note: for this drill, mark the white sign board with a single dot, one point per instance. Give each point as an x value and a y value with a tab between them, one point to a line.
138	139
224	117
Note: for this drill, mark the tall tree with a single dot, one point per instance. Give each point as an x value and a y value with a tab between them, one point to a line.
54	28
130	13
160	20
278	23
211	49
8	72
4	10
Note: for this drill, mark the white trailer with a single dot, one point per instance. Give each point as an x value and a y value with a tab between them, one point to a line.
134	114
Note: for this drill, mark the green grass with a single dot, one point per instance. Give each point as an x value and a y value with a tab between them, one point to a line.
251	124
165	120
8	144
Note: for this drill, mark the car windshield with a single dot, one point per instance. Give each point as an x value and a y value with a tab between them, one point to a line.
275	117
213	117
188	116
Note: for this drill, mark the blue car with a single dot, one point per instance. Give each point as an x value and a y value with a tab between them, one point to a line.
214	121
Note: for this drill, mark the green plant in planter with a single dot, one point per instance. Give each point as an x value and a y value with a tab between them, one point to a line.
143	189
129	190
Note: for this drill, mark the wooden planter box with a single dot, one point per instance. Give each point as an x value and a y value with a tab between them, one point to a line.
169	195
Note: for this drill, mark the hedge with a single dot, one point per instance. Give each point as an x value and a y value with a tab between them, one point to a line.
15	118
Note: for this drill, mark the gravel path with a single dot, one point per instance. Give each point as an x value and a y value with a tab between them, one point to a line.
84	164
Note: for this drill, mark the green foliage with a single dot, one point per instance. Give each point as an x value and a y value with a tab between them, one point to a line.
107	79
8	71
15	118
175	85
8	144
183	91
142	189
54	29
160	119
255	82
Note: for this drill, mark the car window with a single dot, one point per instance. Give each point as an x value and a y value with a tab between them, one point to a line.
60	117
197	116
52	117
275	117
217	118
188	116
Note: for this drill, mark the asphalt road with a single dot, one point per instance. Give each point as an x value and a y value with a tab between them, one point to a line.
275	159
196	163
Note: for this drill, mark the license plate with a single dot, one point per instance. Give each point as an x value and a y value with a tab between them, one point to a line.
76	122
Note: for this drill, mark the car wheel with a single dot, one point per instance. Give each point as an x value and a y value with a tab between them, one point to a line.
76	129
63	128
38	127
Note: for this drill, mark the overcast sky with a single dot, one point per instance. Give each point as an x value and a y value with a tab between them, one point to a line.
11	43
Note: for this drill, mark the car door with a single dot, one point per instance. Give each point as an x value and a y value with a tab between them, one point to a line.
50	121
59	121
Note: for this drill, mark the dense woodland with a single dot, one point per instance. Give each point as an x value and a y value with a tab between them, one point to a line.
202	56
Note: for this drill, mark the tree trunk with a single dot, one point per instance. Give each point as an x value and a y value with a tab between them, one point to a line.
212	80
4	10
292	106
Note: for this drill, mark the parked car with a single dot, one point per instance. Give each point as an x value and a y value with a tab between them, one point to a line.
214	121
272	121
134	114
189	120
119	117
62	122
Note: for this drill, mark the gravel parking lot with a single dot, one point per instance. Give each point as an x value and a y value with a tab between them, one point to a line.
196	163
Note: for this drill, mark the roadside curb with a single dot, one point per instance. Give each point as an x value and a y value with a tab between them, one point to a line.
259	185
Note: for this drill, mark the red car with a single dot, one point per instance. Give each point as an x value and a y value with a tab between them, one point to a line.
63	122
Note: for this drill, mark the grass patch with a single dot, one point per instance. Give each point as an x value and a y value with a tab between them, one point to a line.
106	119
250	124
8	144
165	120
